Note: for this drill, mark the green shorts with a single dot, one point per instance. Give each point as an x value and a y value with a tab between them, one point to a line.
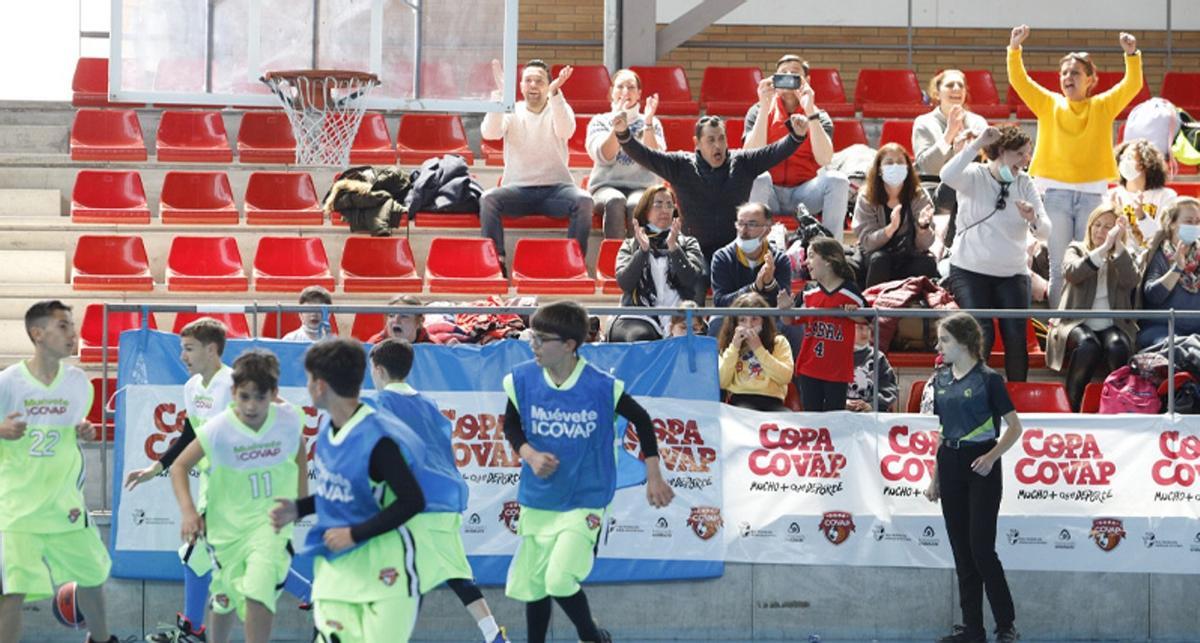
389	619
555	554
439	547
250	569
32	564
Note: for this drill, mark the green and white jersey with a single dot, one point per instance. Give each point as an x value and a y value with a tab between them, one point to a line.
42	473
201	403
248	470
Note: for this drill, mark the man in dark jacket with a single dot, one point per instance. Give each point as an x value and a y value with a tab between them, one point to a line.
712	181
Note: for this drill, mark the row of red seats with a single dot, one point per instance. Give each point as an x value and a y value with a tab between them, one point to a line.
263	137
1027	397
369	264
879	93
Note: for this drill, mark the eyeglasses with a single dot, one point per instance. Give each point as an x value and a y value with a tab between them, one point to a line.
1002	200
748	225
537	339
663	205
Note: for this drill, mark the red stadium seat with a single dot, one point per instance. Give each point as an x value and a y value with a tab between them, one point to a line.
236	326
914	397
373	143
291	264
109	196
91	331
89	85
680	134
276	325
889	93
1106	80
982	96
96	413
266	137
671	85
110	262
205	264
1039	397
588	89
282	198
830	92
493	152
422	136
451	220
379	264
1091	398
197	198
1186	189
1183	89
847	132
367	325
193	136
1044	77
729	91
896	132
107	135
550	266
734	128
606	267
1037	356
464	265
577	155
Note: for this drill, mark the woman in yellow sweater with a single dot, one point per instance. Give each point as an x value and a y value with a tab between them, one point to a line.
1072	162
756	376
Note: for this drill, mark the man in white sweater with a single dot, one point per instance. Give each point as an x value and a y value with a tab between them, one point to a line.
536	178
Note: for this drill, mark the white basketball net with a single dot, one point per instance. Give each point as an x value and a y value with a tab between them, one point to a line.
325	113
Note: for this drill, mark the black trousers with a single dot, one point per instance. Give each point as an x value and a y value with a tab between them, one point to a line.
820	395
883	266
970	504
757	402
1089	351
976	290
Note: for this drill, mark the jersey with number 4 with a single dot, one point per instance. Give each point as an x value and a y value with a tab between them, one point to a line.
42	473
828	349
248	470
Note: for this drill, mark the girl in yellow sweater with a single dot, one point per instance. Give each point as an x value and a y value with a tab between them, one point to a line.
1072	162
755	363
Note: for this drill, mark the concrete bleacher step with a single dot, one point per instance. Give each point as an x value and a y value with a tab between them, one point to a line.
47	139
32	266
30	202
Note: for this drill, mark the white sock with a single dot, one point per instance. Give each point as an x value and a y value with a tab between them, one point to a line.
489	628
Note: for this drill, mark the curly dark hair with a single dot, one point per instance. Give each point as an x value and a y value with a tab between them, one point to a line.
1149	158
1011	138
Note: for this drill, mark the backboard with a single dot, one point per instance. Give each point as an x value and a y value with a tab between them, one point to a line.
430	55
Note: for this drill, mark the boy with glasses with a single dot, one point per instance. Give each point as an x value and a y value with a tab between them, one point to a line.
560	418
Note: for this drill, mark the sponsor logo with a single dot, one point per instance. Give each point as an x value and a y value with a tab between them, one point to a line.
329	484
1063	458
334	625
222	600
141	518
50	406
474	519
880	533
510	515
1107	533
1152	541
662	528
662	523
388	576
557	423
479	440
705	521
73	515
593	521
800	452
1065	540
912	455
795	534
1196	542
837	526
1181	460
1015	538
474	524
250	452
928	537
681	446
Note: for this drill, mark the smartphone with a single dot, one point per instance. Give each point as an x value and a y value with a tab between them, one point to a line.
786	81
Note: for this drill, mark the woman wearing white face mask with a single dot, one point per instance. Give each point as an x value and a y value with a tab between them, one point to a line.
659	267
1172	275
998	208
616	182
1142	194
893	220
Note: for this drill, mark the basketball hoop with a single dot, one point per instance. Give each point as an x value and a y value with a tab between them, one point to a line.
325	108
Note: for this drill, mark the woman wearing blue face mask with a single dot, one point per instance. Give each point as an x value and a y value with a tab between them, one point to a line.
998	209
658	267
893	220
1172	275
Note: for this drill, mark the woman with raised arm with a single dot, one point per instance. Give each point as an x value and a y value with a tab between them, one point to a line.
1071	163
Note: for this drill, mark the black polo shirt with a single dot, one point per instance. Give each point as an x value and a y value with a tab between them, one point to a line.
970	408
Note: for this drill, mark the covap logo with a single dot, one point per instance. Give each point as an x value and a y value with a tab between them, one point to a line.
705	521
837	526
510	515
1107	533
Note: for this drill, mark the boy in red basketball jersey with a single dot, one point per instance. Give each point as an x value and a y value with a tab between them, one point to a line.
825	366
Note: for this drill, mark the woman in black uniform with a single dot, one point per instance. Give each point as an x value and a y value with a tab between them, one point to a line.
970	400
